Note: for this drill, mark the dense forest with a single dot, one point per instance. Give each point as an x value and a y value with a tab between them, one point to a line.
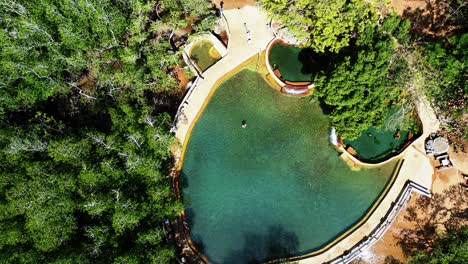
88	92
85	91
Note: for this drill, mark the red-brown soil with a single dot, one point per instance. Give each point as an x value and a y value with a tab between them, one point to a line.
181	77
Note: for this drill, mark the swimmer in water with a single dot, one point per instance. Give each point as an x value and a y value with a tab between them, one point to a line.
244	124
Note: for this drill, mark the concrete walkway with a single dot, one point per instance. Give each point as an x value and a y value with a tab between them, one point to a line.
239	50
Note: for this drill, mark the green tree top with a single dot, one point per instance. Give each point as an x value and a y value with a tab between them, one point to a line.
324	25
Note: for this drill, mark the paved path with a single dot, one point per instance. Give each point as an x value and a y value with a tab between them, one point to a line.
238	51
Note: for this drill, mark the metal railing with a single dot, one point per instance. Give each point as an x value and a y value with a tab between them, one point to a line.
385	223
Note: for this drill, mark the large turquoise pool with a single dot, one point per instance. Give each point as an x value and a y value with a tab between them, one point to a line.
275	188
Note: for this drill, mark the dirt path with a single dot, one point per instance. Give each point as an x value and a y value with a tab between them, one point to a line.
401	6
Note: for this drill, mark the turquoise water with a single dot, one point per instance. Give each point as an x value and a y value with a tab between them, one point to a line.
294	63
274	189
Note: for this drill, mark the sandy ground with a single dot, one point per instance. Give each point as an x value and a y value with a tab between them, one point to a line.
401	5
427	16
387	247
460	160
232	4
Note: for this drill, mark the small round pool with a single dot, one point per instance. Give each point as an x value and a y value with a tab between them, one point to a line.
260	180
292	63
378	144
204	54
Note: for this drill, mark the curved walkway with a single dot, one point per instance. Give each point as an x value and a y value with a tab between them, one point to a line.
238	51
416	168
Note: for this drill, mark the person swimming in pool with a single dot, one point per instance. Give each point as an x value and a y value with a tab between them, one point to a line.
244	124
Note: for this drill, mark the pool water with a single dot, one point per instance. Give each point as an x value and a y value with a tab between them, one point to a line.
204	54
276	188
295	64
378	144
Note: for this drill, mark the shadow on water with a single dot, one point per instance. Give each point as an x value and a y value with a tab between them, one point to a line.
183	181
312	62
189	216
276	243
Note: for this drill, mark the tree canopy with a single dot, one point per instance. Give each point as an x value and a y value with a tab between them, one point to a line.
359	85
323	25
85	91
448	57
449	248
86	194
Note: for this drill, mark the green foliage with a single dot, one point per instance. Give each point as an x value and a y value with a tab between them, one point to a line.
113	182
358	88
325	25
84	137
449	248
397	28
46	41
449	57
92	48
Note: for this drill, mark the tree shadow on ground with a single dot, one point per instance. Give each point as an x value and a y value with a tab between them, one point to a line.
391	260
439	18
428	218
275	244
388	260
